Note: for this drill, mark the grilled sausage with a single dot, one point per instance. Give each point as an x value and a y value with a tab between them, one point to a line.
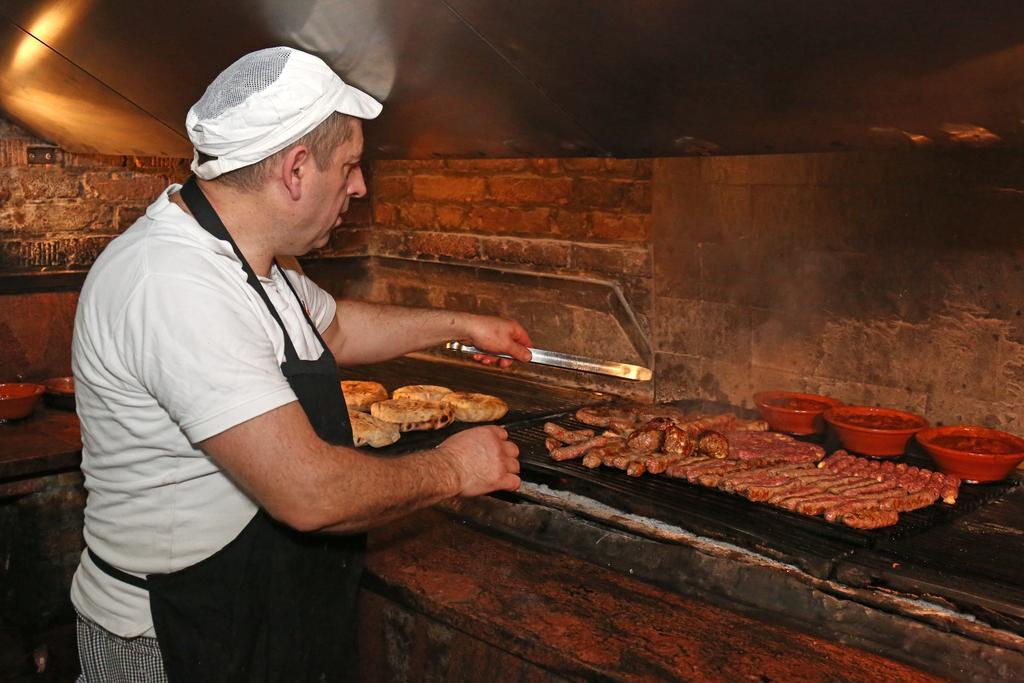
635	468
576	450
600	416
567	435
872	519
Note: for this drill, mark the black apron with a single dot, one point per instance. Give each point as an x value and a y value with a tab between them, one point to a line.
274	604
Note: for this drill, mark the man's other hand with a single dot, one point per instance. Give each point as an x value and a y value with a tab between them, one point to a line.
483	460
498	335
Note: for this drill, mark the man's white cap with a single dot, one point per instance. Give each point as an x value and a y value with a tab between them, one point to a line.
262	103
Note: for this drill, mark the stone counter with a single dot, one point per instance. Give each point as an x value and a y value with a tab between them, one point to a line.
857	606
444	601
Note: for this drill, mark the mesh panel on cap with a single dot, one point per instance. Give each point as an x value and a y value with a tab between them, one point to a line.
250	74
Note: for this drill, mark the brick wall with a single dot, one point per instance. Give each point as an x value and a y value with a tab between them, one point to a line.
60	216
879	278
581	217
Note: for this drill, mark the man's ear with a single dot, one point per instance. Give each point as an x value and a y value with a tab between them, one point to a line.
294	166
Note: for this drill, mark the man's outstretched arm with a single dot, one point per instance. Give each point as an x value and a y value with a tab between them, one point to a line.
311	485
368	333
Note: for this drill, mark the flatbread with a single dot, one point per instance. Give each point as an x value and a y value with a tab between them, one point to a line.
431	393
369	431
361	395
411	414
470	407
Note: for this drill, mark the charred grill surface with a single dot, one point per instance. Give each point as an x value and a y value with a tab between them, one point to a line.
809	542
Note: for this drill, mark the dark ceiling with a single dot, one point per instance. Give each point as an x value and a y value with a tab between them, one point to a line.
492	78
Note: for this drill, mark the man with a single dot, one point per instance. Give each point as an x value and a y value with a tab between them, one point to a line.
226	503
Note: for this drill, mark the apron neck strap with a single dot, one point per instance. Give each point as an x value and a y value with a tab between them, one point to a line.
305	313
208	219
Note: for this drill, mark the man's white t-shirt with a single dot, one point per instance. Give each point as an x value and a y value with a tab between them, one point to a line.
171	346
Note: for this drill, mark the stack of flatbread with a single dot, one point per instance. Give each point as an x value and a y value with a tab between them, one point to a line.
378	421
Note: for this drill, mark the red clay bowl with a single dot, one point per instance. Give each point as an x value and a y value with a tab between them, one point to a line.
975	454
793	412
874	431
60	393
19	400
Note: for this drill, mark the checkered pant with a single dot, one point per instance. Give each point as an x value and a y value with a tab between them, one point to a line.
108	658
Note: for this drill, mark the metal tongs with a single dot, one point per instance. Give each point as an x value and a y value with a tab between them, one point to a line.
566	360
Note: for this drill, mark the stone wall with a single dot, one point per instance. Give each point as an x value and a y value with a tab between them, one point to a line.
879	278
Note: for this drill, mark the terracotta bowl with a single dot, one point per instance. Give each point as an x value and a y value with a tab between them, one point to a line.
880	432
60	393
19	400
793	412
975	454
